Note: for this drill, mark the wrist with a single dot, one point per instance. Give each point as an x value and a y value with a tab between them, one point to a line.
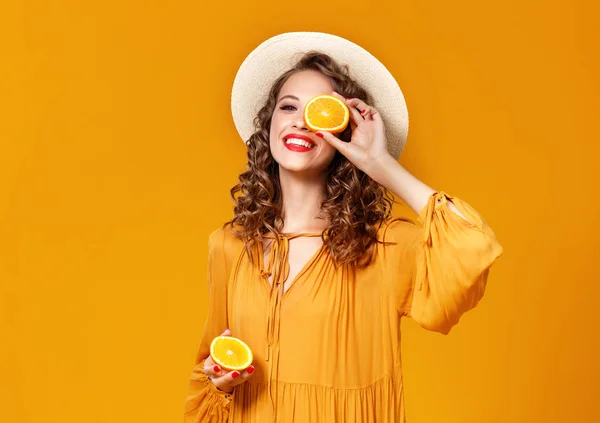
225	390
379	169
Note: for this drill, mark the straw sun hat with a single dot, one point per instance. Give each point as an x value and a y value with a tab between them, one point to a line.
278	54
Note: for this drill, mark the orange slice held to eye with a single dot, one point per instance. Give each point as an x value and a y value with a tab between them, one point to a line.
230	353
326	113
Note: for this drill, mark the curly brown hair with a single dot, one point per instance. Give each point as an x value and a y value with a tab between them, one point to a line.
355	205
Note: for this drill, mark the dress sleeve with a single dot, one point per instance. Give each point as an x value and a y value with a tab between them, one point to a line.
440	270
204	401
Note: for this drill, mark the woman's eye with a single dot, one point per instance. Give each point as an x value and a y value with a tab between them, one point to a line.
288	107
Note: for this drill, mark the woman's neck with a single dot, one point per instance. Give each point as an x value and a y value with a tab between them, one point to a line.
302	195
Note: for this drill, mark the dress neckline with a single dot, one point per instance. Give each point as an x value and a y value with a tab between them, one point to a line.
279	268
292	235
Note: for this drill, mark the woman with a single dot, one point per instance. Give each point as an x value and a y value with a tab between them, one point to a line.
312	272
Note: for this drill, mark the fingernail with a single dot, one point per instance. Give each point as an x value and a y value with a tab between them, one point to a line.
250	369
217	369
348	99
320	135
235	374
362	112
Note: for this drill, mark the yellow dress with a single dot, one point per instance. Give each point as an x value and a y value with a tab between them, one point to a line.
328	349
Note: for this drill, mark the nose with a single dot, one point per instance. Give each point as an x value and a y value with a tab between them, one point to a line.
299	122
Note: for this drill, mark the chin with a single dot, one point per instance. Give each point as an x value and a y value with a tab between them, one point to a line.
292	162
304	170
295	167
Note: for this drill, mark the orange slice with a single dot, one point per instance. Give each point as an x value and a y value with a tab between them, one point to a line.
326	113
230	353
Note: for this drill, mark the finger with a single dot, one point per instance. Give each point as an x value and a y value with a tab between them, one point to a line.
375	115
211	369
367	112
244	376
334	141
338	95
355	116
356	102
363	107
371	113
226	381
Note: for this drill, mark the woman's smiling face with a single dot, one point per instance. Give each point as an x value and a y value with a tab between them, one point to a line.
292	144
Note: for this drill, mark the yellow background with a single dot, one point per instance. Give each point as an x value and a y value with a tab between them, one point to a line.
118	151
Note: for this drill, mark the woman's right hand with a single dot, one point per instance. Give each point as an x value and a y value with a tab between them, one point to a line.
223	380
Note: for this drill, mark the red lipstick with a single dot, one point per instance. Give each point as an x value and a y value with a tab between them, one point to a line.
298	148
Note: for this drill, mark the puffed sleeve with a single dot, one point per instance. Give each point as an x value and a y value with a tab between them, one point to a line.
204	402
440	270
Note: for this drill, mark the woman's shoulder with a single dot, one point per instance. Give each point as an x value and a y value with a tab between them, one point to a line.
399	230
224	239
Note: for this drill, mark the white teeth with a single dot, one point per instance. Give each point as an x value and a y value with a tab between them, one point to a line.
300	142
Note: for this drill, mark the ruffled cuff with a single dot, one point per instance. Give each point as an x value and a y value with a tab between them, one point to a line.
437	207
205	402
453	261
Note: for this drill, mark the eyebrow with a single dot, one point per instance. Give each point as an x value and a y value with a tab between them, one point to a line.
293	97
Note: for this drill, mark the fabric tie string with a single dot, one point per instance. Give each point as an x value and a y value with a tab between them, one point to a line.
435	200
278	269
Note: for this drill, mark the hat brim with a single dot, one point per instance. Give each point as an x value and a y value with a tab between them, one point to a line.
275	56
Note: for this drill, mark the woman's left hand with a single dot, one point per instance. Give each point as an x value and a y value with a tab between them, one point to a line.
368	144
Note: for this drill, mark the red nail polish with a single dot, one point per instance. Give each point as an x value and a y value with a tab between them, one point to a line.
235	374
348	99
362	112
250	370
217	369
320	135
